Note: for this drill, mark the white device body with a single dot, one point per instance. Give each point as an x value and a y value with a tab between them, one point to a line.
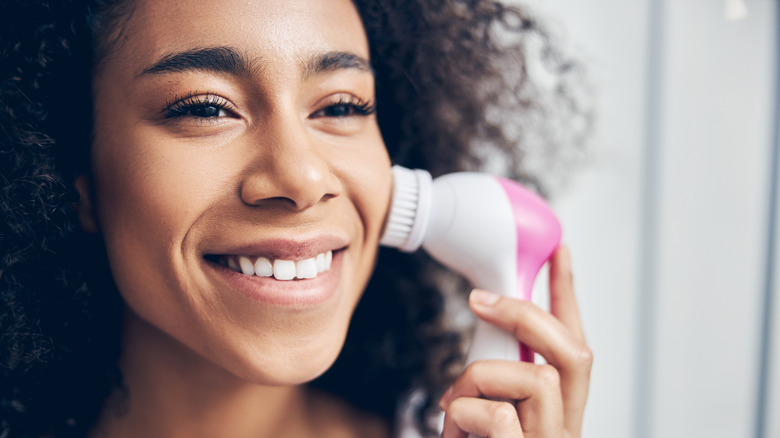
471	229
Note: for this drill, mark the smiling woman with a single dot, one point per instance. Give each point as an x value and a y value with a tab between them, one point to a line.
193	196
238	144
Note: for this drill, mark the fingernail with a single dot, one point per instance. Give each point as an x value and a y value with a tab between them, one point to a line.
444	401
483	298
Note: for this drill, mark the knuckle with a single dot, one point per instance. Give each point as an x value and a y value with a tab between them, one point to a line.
504	415
473	371
524	307
582	358
520	313
458	411
457	408
548	377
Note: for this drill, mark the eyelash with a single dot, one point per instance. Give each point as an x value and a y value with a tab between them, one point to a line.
183	107
357	107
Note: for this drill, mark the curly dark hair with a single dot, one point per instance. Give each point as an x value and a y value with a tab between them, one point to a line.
457	89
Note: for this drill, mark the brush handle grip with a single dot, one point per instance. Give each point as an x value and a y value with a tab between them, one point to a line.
537	233
491	230
497	234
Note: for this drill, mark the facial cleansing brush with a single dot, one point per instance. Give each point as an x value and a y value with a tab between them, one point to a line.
491	230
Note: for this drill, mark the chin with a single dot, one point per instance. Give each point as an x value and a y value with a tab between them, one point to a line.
293	365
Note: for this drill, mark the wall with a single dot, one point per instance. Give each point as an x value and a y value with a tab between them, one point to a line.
671	225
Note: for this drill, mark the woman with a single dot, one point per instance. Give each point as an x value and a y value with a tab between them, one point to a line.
194	196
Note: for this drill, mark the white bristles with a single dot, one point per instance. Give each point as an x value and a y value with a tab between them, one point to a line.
407	218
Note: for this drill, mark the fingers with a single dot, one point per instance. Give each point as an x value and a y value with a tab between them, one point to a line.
486	418
532	326
533	394
563	305
557	336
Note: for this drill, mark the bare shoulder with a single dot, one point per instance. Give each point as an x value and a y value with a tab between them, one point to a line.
335	418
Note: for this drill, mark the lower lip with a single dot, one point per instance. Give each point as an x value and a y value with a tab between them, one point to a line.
293	293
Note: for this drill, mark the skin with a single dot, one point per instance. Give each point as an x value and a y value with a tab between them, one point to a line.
274	154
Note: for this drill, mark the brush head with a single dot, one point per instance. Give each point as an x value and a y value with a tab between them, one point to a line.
407	219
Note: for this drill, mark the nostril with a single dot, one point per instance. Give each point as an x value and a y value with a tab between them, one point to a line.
270	191
292	204
296	176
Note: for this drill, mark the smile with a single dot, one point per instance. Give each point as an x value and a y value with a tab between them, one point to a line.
279	269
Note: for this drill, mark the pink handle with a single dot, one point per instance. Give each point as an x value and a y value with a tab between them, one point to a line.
538	234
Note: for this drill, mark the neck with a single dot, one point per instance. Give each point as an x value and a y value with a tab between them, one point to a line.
170	391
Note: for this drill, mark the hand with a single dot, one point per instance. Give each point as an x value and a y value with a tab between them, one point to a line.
502	399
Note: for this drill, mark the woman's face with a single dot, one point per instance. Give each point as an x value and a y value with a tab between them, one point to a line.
240	136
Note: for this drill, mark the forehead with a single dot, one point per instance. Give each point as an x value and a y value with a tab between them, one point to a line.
284	29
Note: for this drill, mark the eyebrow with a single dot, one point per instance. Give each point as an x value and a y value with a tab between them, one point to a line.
333	61
229	60
211	59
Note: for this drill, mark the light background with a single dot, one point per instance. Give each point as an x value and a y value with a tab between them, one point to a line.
670	225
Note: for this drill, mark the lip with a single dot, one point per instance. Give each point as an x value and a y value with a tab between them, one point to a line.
285	249
288	293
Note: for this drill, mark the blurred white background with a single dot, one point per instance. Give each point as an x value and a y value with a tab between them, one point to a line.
670	225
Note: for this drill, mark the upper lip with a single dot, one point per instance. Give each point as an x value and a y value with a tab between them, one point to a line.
298	248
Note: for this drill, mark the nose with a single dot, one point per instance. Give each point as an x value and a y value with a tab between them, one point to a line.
289	169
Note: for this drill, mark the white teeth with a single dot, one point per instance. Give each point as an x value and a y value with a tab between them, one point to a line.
247	267
306	268
284	269
263	267
280	269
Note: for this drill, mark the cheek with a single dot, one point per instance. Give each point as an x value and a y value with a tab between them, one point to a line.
133	197
363	167
147	197
373	205
143	183
374	197
371	191
371	181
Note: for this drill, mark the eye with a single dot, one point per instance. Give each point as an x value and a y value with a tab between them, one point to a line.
346	107
207	111
198	107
